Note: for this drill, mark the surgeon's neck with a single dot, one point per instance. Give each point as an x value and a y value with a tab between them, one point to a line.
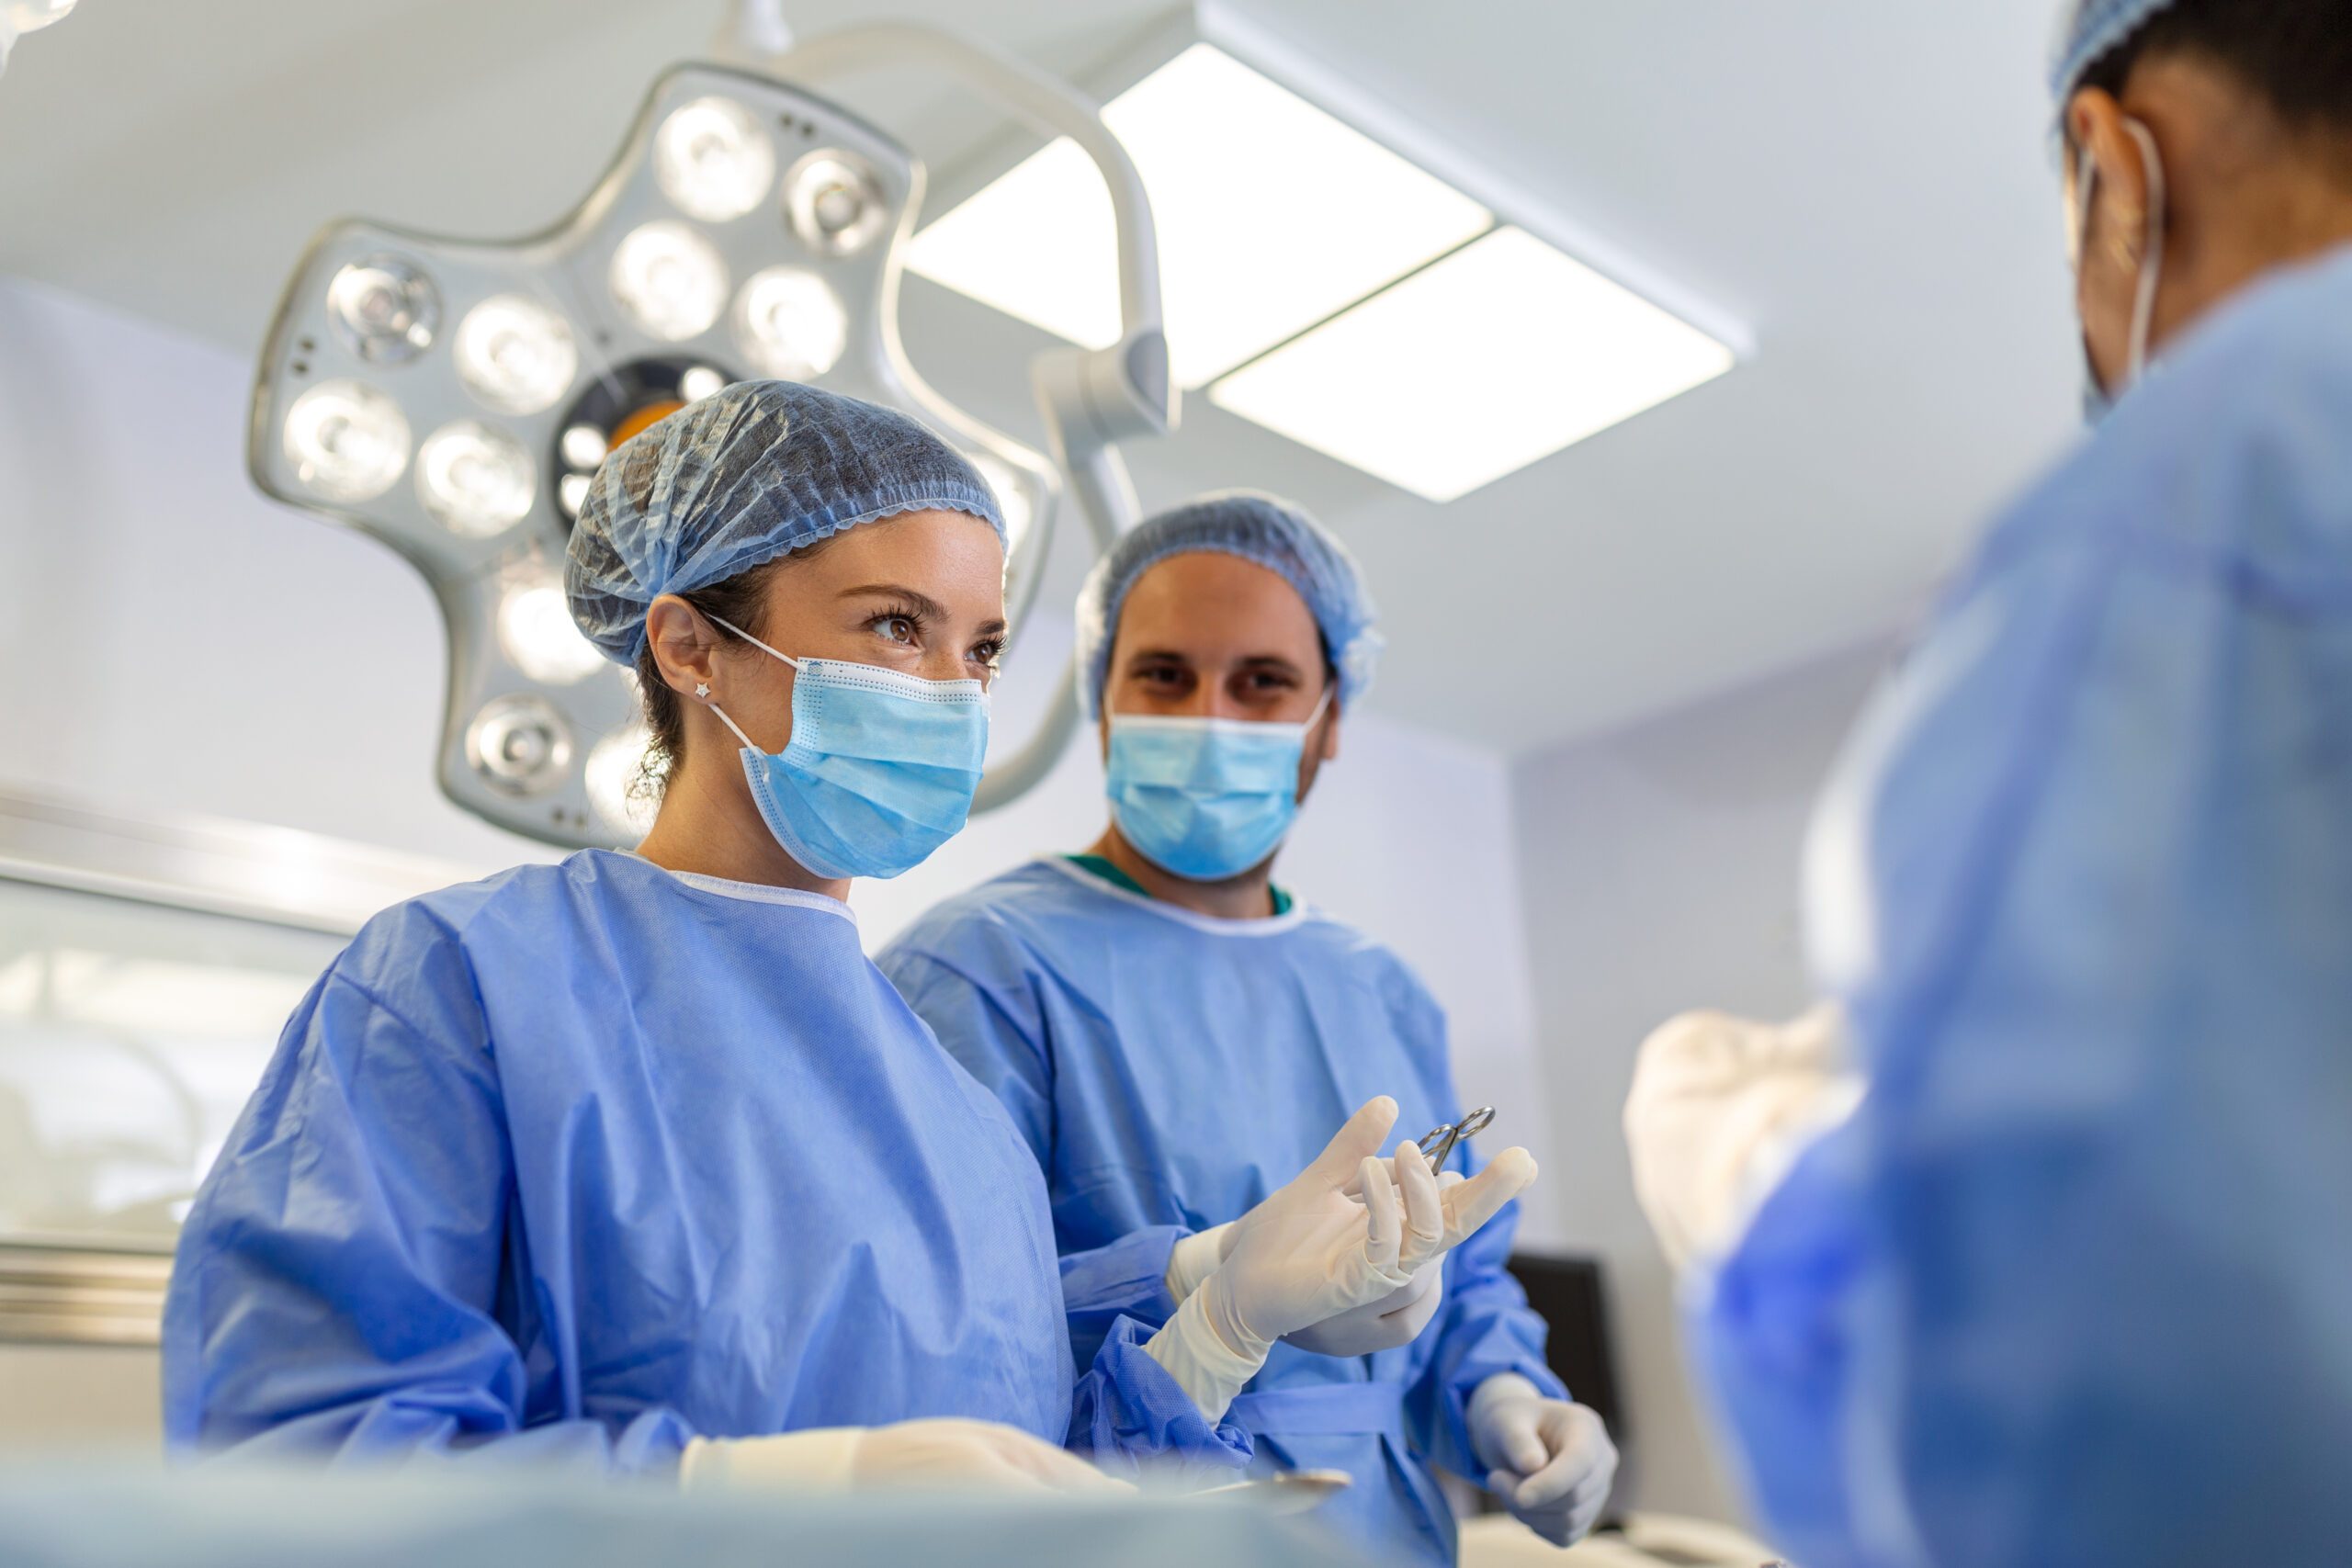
1248	896
710	827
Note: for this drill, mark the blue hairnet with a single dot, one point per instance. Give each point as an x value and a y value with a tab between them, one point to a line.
2096	27
1276	536
741	477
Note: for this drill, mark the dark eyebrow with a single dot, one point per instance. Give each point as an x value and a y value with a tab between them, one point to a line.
923	604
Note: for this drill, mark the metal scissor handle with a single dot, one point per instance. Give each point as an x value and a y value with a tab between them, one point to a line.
1437	1143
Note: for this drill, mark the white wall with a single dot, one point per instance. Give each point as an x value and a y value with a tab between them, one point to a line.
1659	873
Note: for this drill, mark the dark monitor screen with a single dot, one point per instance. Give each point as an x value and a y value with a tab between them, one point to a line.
1567	1293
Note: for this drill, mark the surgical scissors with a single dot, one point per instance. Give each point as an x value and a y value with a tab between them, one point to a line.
1452	1133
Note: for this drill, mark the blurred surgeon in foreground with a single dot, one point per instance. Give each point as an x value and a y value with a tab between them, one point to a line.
634	1162
1170	1032
2072	1282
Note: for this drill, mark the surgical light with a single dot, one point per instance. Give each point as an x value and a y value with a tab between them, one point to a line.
346	440
583	447
535	365
475	479
1496	356
1272	216
520	745
670	281
834	203
515	355
384	310
535	627
714	159
614	763
790	325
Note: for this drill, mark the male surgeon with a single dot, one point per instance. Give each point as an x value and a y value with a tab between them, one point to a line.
2067	1278
1171	1031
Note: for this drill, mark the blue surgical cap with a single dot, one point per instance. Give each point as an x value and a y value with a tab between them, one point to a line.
1276	536
741	477
2095	27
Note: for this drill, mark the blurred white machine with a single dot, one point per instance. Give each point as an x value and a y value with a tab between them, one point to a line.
452	398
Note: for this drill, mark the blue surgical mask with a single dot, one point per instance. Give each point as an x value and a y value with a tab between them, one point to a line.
1206	798
881	769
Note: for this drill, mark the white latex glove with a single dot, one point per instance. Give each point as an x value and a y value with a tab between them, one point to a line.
1550	1462
1396	1318
1466	1205
941	1451
1307	1253
1720	1108
1310	1251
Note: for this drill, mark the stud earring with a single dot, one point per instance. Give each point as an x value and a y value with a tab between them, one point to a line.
702	688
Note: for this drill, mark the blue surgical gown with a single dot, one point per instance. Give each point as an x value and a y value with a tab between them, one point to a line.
2074	1286
1171	1069
585	1160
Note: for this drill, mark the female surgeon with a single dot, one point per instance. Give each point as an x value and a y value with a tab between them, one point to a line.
1170	1032
634	1160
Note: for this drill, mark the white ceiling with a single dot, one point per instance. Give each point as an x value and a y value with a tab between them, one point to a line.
1864	186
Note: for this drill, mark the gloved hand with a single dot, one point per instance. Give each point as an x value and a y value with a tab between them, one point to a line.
1466	1205
1312	1252
940	1451
1550	1462
1720	1108
1396	1318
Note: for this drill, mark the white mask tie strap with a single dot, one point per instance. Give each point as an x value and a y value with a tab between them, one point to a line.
755	642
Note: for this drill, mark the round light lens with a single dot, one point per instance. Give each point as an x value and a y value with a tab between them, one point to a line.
571	493
475	480
700	382
834	203
669	280
1013	497
714	159
614	766
536	628
790	324
346	440
515	355
583	447
519	745
384	310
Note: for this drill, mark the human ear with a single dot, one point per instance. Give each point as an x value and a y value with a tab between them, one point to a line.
2111	231
684	649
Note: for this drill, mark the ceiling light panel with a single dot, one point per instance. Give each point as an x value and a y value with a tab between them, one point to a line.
1271	215
1503	353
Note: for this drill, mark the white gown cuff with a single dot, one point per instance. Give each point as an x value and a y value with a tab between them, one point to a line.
822	1458
1194	1259
1204	1365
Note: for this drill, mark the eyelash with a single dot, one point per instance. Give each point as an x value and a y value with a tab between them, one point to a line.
987	653
912	616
